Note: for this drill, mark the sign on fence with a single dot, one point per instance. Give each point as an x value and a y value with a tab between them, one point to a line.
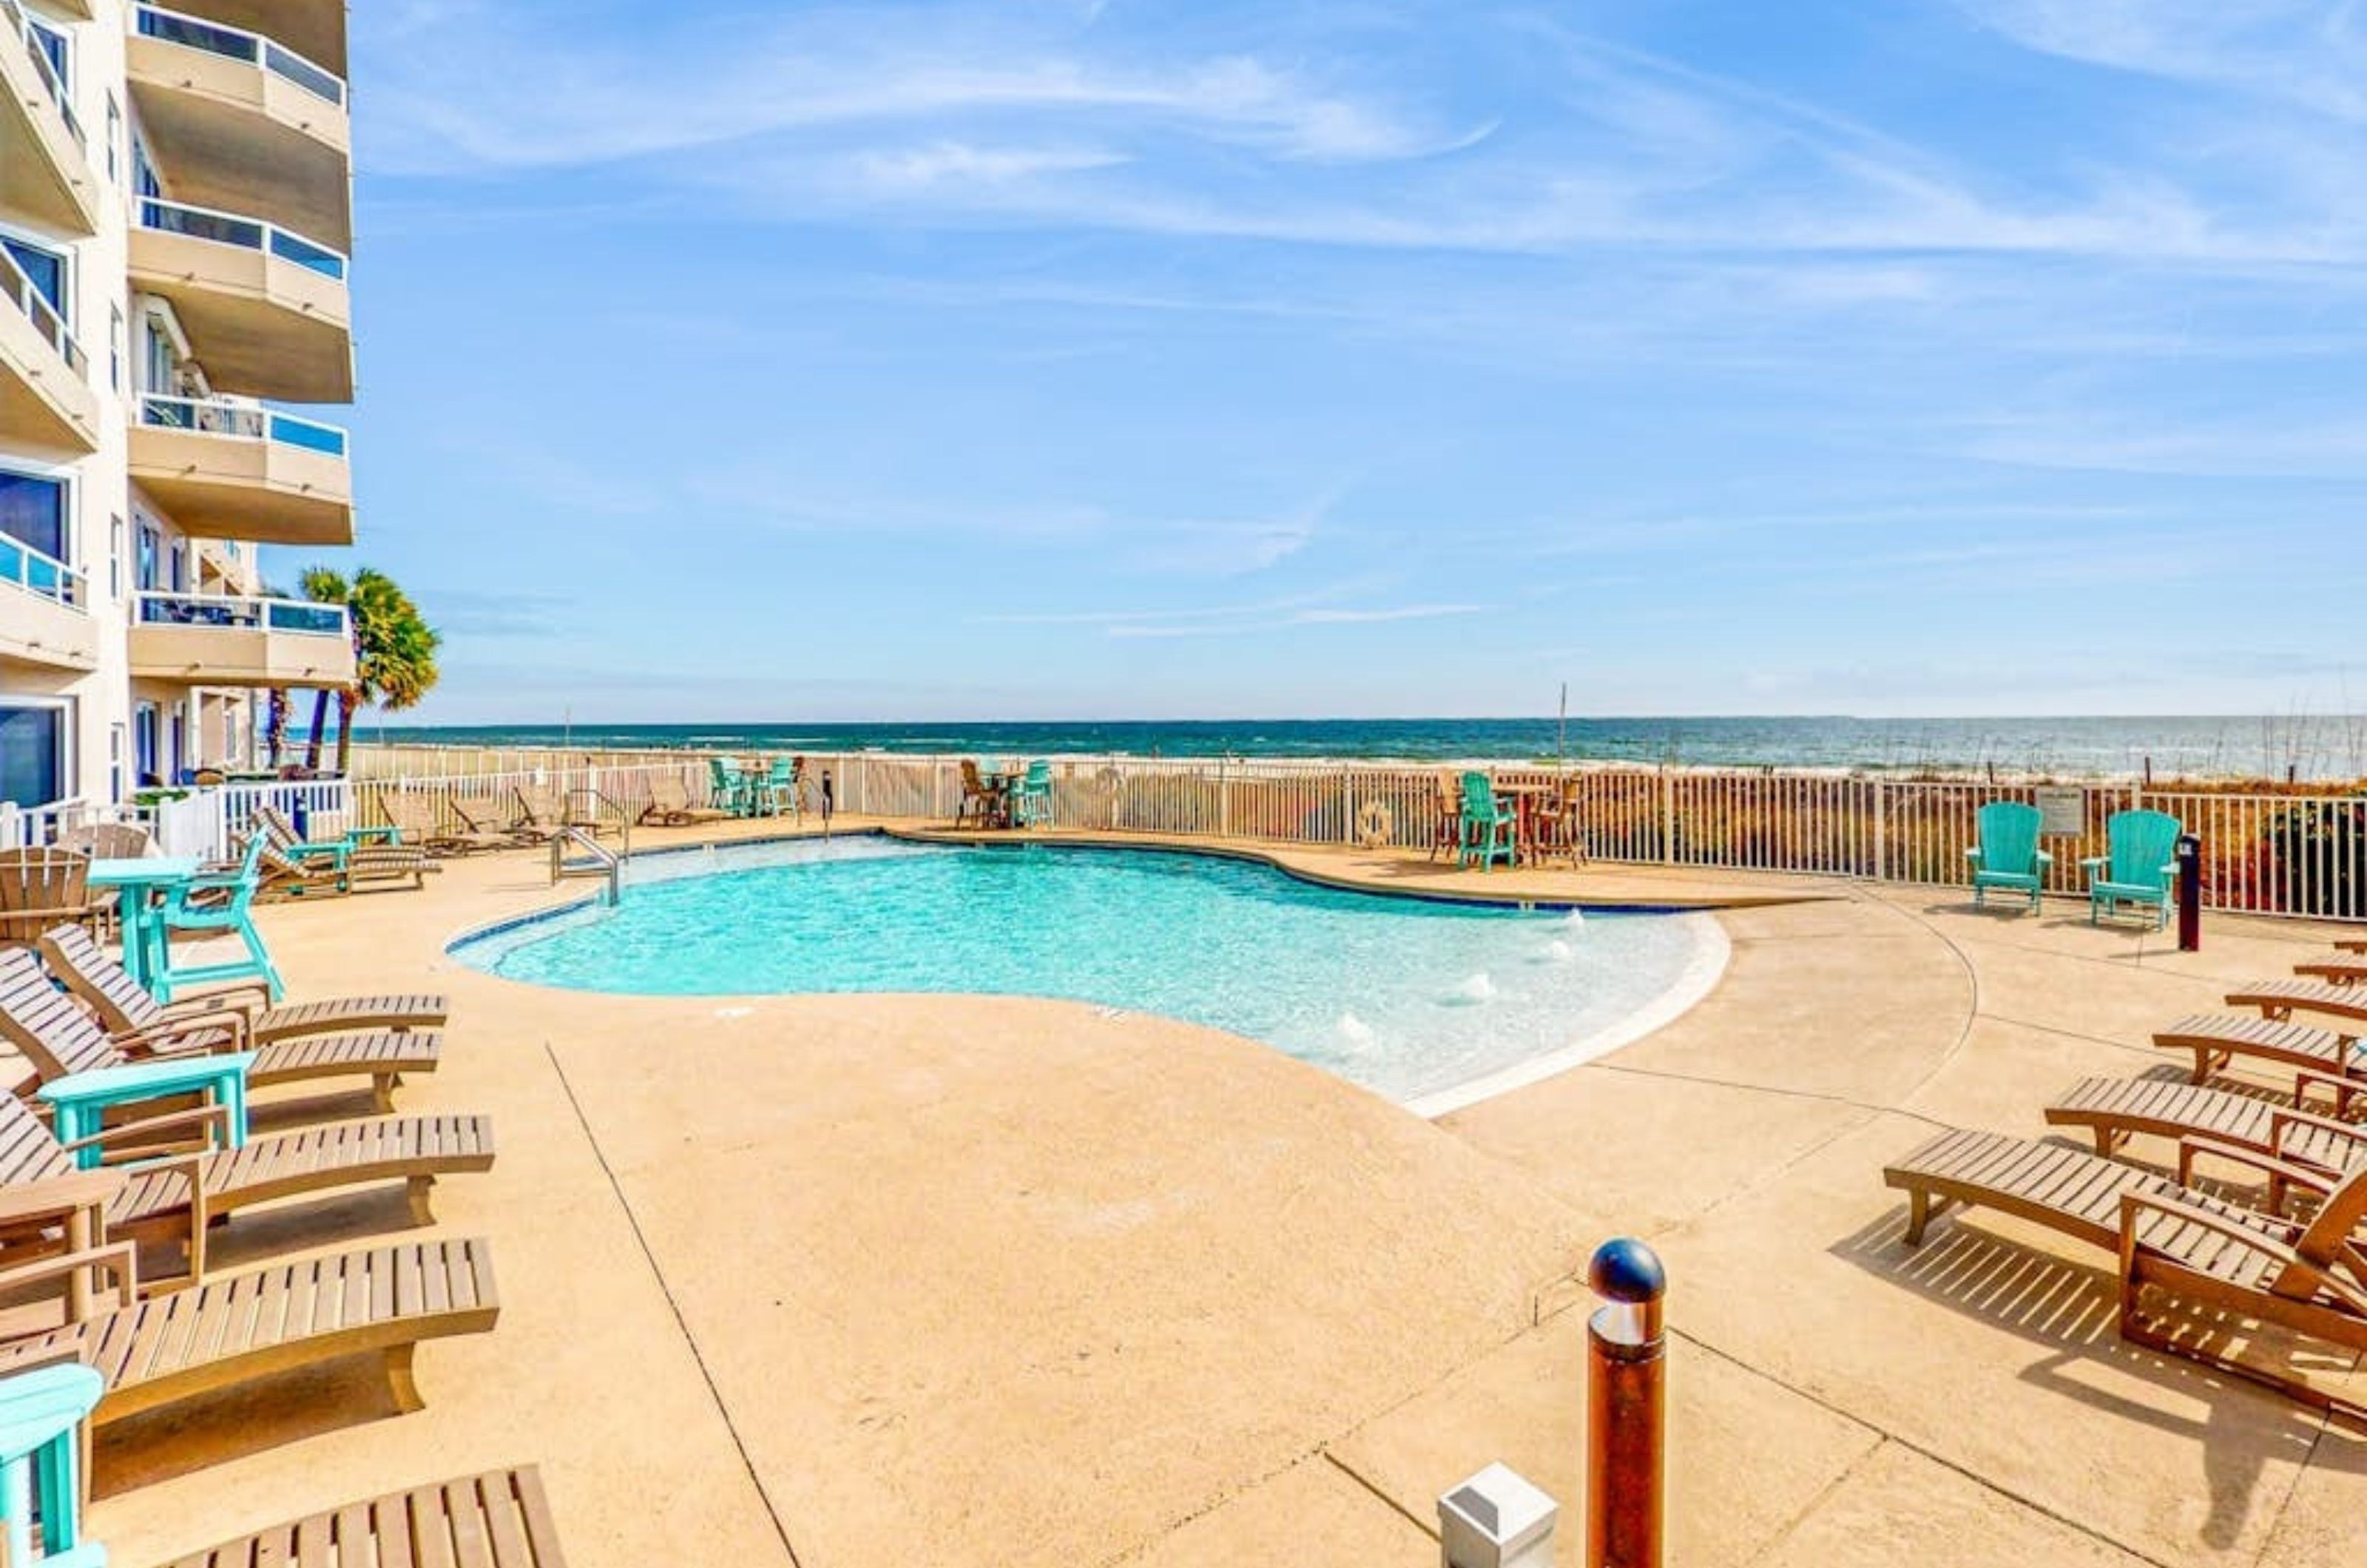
2062	810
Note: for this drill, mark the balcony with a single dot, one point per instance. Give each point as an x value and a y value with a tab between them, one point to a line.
313	28
42	618
230	471
45	175
267	311
243	122
45	397
202	639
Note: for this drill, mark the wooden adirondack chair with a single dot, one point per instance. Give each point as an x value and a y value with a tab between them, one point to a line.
39	888
2007	854
2139	866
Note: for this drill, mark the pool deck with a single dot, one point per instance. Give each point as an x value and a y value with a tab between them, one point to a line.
868	1280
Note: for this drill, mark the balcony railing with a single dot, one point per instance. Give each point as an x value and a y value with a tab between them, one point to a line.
46	321
246	422
297	615
13	18
247	234
22	565
234	43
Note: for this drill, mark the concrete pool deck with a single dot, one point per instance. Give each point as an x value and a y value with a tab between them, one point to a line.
855	1281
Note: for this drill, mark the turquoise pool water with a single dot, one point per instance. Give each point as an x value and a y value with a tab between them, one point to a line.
1424	1002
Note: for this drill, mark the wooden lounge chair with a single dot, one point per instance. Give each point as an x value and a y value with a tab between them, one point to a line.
294	866
541	814
499	1519
2008	856
2324	1055
2280	1000
39	887
2197	1117
156	1350
2340	968
59	1040
2139	866
187	1180
980	806
670	805
125	1008
2169	1238
1446	819
418	822
484	817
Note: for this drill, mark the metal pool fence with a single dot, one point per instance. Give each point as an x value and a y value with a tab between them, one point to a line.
2266	850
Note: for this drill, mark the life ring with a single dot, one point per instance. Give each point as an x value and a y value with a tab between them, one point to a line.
1376	823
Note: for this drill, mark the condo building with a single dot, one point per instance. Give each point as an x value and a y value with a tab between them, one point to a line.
175	214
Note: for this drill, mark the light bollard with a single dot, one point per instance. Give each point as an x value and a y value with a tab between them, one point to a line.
2190	893
1626	1407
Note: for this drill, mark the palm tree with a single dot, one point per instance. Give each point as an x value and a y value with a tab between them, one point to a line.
394	652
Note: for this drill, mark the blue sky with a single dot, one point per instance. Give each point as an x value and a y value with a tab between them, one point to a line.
1054	358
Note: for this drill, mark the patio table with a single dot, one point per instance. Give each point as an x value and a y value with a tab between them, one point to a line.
1525	799
139	883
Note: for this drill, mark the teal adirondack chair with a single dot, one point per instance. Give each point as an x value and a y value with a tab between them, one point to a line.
42	1413
2139	867
728	787
2007	854
232	915
1031	797
1490	828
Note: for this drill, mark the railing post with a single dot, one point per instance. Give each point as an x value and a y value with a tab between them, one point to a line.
1882	830
1667	818
1626	1407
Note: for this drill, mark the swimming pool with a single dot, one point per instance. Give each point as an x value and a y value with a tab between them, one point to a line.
1430	1003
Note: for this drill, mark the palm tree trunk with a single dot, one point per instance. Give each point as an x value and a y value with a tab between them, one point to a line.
320	727
275	731
348	699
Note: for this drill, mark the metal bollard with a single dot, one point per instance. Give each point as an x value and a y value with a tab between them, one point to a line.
2190	893
1626	1364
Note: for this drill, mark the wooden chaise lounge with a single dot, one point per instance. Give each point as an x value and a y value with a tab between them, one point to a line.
59	1040
419	823
187	1182
2280	1000
2210	1254
155	1350
2197	1118
670	805
125	1008
499	1519
296	865
2321	1056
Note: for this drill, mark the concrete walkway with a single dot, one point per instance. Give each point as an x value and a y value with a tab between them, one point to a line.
855	1280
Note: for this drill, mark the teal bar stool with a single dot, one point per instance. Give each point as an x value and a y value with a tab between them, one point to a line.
42	1414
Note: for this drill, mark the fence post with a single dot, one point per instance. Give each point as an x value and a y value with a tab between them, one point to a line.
1224	803
1882	830
1667	818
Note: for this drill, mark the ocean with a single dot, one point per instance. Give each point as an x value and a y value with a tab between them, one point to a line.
2322	749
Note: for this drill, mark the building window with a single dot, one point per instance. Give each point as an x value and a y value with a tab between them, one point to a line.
53	44
33	752
38	511
114	347
115	558
44	268
115	762
114	139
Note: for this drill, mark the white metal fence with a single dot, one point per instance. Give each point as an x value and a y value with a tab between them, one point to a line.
2264	851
